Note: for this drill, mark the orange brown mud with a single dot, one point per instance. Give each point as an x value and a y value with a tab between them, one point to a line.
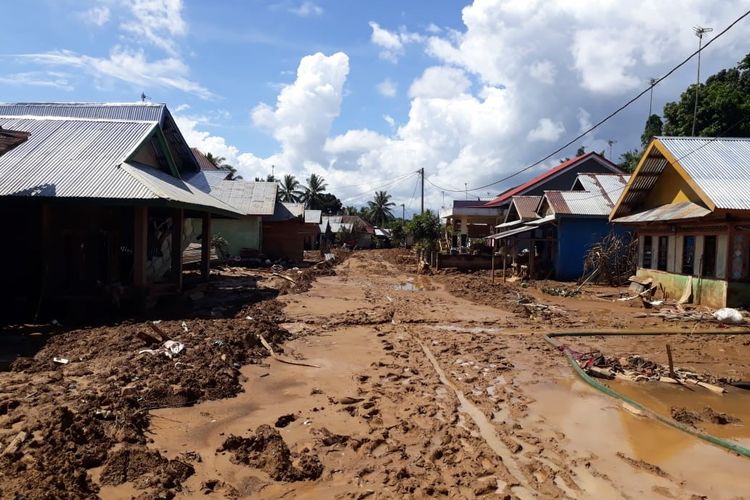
427	386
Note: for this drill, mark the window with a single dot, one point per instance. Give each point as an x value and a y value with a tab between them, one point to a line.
688	254
663	253
709	256
647	245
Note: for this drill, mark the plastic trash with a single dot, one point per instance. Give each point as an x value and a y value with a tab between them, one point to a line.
729	315
61	361
173	348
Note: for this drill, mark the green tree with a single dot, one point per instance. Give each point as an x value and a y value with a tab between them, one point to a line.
723	105
312	196
216	161
653	128
289	189
629	160
398	232
425	228
350	210
330	204
380	208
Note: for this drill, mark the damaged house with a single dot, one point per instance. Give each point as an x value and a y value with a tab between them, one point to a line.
689	202
96	208
548	236
290	231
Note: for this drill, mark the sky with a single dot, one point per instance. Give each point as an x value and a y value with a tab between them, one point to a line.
365	93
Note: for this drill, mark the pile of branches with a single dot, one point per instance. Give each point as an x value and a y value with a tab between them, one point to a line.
612	260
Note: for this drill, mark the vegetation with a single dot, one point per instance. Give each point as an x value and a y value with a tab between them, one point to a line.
379	210
289	189
312	196
219	162
425	228
398	232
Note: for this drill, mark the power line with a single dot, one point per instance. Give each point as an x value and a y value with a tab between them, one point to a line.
371	190
609	116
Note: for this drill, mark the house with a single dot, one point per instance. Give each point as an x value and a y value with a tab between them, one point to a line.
475	219
357	232
689	202
289	231
548	236
242	237
95	206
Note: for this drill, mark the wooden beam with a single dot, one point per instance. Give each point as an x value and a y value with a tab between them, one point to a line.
178	220
140	246
206	246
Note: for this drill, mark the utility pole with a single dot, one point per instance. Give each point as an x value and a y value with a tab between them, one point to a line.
421	171
699	32
466	190
651	96
403	211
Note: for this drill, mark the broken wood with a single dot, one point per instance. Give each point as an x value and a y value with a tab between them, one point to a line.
15	444
285	277
154	325
604	373
671	364
280	359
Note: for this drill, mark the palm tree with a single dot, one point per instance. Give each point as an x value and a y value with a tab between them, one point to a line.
216	161
379	209
312	196
289	189
350	210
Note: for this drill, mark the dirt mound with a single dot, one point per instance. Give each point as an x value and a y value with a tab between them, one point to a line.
707	415
480	290
266	450
145	468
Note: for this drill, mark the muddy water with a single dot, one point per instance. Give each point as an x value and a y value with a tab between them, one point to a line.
599	424
661	398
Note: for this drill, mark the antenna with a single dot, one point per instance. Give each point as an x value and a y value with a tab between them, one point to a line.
699	32
611	142
144	97
652	81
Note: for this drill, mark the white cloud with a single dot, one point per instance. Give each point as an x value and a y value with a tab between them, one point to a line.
305	109
205	141
433	28
543	71
39	79
440	82
387	88
389	120
307	9
354	141
547	131
157	22
126	66
392	43
98	15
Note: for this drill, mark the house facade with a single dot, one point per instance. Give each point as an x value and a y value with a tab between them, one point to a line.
97	208
289	231
689	202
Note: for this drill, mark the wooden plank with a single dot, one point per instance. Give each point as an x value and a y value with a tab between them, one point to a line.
178	220
206	246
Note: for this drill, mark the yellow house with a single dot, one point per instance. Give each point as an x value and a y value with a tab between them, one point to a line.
689	202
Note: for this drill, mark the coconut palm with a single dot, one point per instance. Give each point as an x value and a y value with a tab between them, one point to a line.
216	161
312	196
289	189
379	208
350	210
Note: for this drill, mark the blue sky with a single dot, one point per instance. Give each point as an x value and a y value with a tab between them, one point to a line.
365	93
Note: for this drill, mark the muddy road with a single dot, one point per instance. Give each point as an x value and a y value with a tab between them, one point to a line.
419	392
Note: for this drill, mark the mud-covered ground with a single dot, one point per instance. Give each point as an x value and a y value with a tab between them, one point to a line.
386	384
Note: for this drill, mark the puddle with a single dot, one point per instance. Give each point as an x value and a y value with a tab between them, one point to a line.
466	329
661	398
420	284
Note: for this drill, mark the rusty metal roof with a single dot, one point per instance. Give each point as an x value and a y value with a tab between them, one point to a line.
670	212
9	139
526	206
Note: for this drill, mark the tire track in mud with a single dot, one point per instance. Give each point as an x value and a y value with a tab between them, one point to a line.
486	429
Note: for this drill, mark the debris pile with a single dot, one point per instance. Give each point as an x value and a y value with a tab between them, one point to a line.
707	414
611	260
266	450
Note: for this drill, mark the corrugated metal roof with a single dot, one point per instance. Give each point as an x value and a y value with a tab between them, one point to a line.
286	211
249	198
133	111
203	162
163	186
80	158
313	216
578	203
526	206
672	211
609	185
72	158
719	166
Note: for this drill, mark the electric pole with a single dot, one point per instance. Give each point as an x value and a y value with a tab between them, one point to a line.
403	211
651	96
466	190
611	142
421	171
699	32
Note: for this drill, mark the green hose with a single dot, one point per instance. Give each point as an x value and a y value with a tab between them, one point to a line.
741	450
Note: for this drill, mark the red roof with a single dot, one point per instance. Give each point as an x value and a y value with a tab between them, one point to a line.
203	162
505	196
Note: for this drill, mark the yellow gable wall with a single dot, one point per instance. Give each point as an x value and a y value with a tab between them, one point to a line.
670	187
